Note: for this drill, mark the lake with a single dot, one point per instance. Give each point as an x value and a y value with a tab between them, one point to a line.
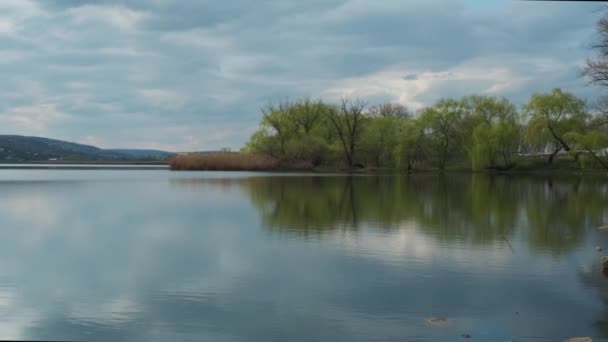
154	255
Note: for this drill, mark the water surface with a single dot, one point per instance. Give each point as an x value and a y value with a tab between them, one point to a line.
154	255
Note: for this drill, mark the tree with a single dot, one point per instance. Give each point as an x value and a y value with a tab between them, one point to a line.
278	126
597	69
347	121
411	146
593	142
441	124
379	139
389	109
551	117
490	131
306	114
293	132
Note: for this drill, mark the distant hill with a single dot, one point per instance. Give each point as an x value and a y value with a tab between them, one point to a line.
16	148
141	153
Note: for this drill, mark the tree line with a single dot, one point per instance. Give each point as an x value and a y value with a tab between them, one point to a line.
476	132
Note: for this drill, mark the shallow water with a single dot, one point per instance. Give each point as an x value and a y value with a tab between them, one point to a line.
154	255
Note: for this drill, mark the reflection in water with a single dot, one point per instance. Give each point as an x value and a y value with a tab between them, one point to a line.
241	257
553	213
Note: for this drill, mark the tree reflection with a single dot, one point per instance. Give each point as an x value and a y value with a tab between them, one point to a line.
553	213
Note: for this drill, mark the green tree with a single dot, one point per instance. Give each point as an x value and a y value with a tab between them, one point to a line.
441	123
379	139
551	117
490	131
593	142
293	132
411	146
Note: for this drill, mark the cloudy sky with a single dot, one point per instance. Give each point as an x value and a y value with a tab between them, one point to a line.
192	75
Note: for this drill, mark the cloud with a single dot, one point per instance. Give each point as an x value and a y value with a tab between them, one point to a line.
146	66
34	119
6	26
120	17
163	97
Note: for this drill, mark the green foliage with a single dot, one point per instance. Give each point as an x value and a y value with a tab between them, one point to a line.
593	142
411	146
379	139
441	123
480	132
495	135
552	117
293	132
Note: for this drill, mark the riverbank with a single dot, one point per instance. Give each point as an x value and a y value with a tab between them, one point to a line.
235	161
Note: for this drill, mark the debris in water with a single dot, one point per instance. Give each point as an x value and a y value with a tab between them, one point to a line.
598	248
603	228
605	263
466	336
579	339
437	320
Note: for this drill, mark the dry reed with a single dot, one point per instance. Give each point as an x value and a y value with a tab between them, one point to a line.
224	161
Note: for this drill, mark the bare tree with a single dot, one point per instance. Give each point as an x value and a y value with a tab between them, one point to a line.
307	113
597	69
275	117
347	122
389	109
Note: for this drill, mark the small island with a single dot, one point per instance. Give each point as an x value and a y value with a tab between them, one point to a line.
554	131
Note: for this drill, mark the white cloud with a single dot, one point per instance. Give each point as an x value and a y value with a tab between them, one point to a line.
120	17
6	26
200	37
20	9
164	98
495	75
32	119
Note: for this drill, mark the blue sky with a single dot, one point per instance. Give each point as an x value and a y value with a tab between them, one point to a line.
192	75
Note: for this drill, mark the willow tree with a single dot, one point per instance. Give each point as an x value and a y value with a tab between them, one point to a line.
293	131
380	136
441	123
552	116
491	131
594	143
411	144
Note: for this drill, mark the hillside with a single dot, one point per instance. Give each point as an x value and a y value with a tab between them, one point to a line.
134	153
16	148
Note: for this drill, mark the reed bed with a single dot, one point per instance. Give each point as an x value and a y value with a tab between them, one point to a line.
224	161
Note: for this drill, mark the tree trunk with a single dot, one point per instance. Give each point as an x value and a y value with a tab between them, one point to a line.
563	143
597	158
550	160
